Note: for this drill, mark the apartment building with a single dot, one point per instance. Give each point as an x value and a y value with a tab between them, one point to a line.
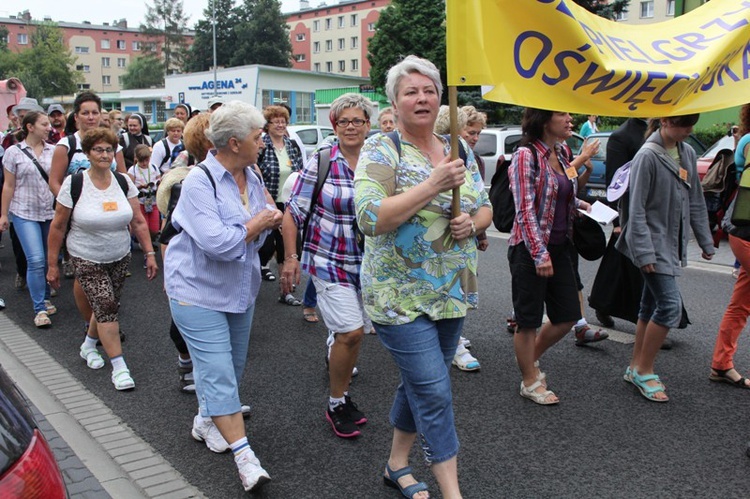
102	52
334	38
648	11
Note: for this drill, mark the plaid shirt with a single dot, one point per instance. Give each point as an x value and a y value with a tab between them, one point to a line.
330	251
32	199
535	194
269	163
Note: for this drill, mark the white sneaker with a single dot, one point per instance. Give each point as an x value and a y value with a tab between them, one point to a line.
122	379
464	360
92	357
204	430
252	474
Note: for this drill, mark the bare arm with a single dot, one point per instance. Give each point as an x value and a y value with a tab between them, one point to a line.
57	171
9	188
54	242
290	275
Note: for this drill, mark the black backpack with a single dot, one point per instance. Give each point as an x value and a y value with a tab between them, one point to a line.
73	147
169	230
501	197
76	185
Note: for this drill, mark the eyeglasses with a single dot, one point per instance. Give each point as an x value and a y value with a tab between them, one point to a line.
278	123
102	150
358	122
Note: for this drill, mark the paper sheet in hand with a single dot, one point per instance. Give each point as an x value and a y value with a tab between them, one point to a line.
601	213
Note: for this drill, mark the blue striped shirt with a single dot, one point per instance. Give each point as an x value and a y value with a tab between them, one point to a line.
209	264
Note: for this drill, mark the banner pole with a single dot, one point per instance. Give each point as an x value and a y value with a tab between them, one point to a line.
453	107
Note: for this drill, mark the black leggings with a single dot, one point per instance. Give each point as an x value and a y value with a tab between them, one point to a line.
177	339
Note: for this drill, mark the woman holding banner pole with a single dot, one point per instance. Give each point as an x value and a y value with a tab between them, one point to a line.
419	267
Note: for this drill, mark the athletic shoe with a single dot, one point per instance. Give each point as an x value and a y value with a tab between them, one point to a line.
92	357
252	474
20	282
341	422
122	380
187	381
357	416
204	430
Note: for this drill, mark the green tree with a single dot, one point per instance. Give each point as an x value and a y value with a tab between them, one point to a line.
200	56
408	27
4	39
146	71
262	35
165	26
44	68
610	9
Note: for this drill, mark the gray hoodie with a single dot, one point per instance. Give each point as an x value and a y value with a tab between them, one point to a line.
661	207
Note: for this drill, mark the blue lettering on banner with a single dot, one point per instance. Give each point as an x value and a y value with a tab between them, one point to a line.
533	49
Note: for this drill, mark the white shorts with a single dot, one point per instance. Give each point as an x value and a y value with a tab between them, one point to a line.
341	306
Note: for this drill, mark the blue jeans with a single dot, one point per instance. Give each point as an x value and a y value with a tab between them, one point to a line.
661	302
218	344
310	299
33	238
423	351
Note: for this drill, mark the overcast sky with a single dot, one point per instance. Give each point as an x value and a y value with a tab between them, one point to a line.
98	11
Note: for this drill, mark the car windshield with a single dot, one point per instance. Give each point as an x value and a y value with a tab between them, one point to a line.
726	142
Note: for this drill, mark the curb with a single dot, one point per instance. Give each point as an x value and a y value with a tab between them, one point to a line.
124	464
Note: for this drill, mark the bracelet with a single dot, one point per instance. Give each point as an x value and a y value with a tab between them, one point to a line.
150	253
293	255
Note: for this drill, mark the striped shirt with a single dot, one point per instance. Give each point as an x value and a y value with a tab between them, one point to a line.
330	251
209	264
534	190
32	199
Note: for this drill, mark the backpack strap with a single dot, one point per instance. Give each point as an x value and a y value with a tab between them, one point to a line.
72	147
76	185
208	174
324	167
396	142
167	155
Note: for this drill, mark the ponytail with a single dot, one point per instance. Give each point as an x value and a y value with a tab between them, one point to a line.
29	119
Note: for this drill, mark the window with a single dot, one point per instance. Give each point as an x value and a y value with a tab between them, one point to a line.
105	44
647	9
329	22
303	107
149	46
105	62
329	45
299	57
300	37
23	39
670	7
342	66
329	67
136	45
121	44
82	50
83	67
316	25
84	86
342	24
355	64
316	47
316	67
353	20
119	80
371	27
342	43
622	16
106	80
355	42
120	62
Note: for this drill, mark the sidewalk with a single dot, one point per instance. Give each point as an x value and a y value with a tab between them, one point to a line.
98	454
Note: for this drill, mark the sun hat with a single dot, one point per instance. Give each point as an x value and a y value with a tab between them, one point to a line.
619	184
27	104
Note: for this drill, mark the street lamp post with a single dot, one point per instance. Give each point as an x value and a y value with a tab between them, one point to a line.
213	3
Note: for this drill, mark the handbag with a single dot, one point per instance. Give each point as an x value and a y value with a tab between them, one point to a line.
741	211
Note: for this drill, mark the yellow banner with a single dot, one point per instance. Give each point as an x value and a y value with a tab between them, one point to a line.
555	55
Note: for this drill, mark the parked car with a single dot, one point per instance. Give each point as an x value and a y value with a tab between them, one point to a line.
27	465
596	187
500	142
705	160
311	135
